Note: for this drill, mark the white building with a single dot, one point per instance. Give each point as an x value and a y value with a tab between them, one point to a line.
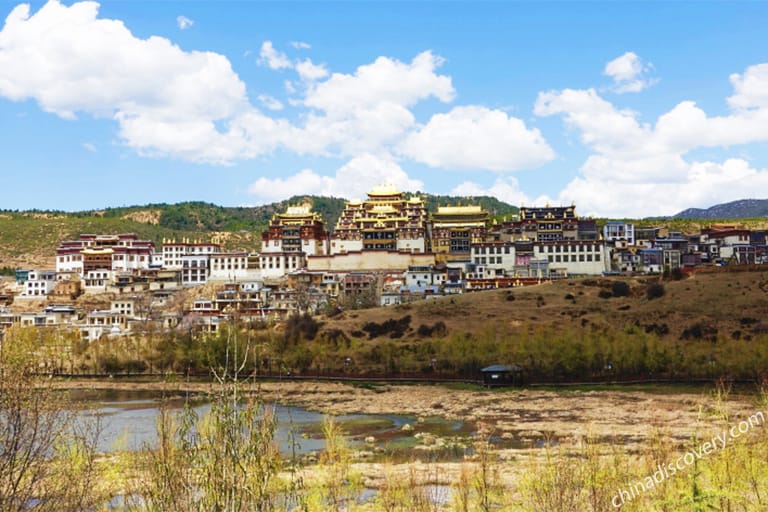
423	277
122	253
39	284
194	269
173	252
620	234
574	257
125	307
96	281
228	266
275	265
494	256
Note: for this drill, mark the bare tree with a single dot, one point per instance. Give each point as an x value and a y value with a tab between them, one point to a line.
47	454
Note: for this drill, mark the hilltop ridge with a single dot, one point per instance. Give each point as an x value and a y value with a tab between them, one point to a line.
29	238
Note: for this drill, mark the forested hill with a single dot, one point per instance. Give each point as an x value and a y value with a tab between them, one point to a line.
31	236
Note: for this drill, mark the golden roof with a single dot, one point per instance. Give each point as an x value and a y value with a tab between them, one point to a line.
459	210
302	210
384	190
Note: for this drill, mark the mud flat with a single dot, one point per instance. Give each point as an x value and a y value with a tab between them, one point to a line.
525	417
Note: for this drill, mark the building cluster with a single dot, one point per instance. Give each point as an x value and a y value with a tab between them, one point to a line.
384	250
655	250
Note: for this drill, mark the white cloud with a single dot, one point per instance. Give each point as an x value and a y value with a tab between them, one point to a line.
629	73
751	88
385	81
184	23
475	137
506	189
353	180
168	102
368	111
309	71
272	58
704	184
270	102
71	62
89	147
641	169
300	45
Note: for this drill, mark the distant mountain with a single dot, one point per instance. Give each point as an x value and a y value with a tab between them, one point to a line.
742	209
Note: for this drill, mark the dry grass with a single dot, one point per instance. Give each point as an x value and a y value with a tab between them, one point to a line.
725	301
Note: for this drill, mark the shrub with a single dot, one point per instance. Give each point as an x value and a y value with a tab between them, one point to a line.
620	289
300	326
395	328
655	291
336	337
438	329
605	294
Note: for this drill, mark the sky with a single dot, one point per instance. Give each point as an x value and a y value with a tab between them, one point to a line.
625	109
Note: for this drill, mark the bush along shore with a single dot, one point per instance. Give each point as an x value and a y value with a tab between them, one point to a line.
227	459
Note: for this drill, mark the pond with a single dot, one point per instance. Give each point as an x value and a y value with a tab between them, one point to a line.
129	422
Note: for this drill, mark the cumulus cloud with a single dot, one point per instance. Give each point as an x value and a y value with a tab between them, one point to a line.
270	102
191	105
89	147
475	137
641	169
309	71
184	23
505	188
300	45
166	101
353	180
750	88
270	57
385	81
368	111
629	73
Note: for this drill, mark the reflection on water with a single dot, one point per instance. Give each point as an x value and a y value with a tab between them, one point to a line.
129	422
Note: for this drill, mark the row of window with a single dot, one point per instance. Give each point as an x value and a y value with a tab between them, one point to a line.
571	248
491	250
492	260
557	258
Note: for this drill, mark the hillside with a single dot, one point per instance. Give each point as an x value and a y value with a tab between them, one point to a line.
570	329
29	239
742	209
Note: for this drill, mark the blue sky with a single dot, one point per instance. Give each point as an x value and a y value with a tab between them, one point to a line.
626	109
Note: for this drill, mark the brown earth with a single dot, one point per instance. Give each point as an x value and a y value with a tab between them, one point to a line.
629	417
722	300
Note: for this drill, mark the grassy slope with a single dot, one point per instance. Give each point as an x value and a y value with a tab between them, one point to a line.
723	304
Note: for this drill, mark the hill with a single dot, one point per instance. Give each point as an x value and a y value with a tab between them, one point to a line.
742	209
29	239
709	324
